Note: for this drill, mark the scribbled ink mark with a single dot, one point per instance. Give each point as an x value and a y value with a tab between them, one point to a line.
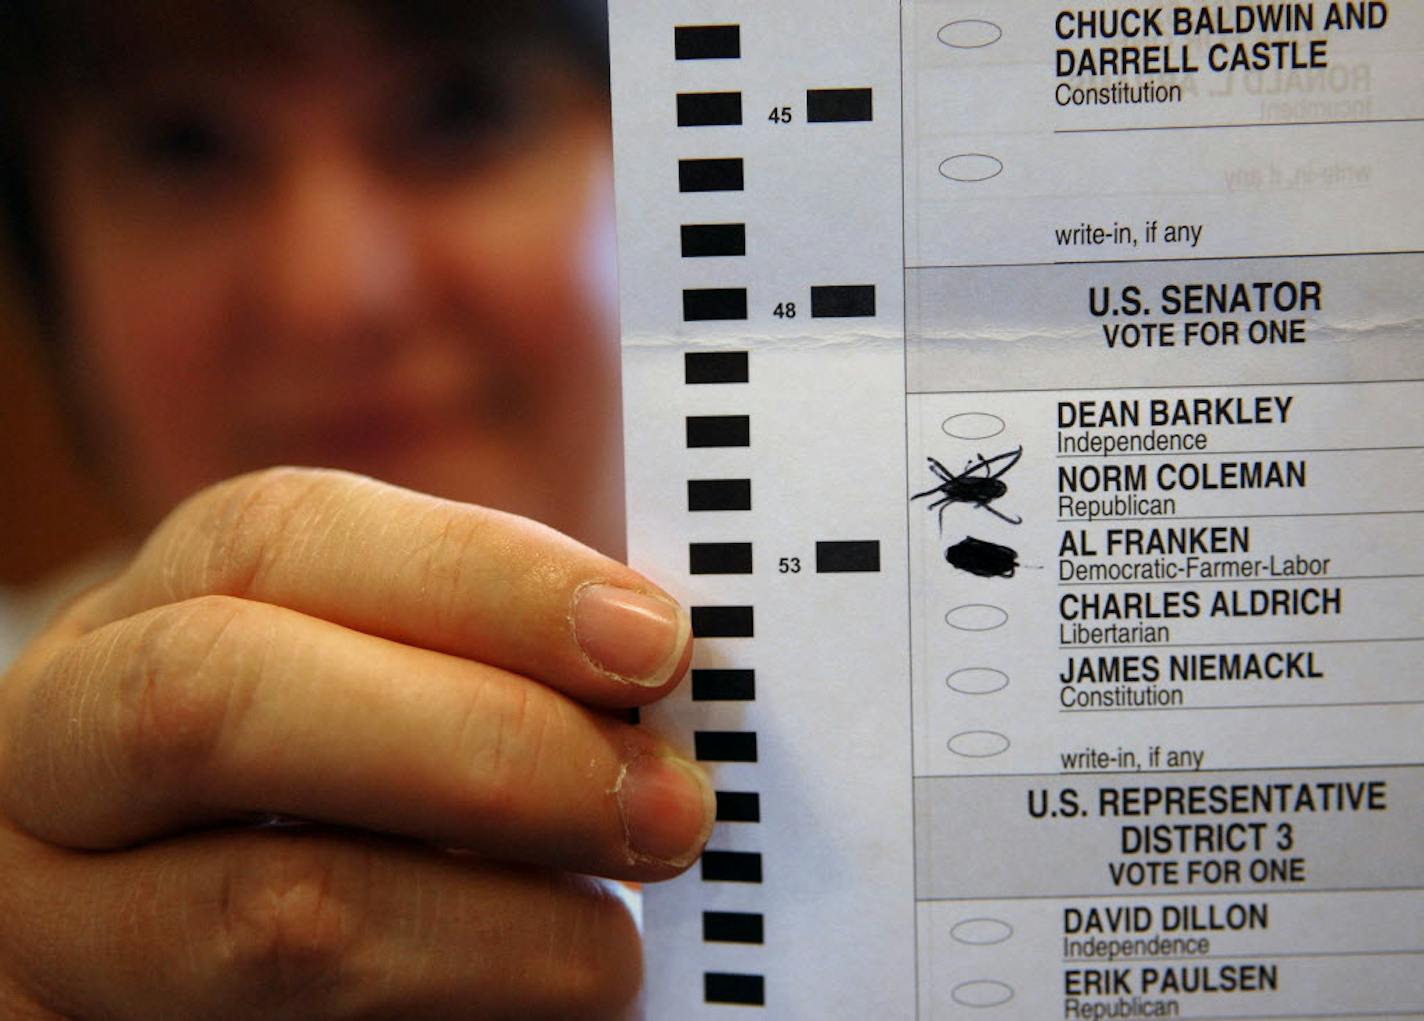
970	486
983	559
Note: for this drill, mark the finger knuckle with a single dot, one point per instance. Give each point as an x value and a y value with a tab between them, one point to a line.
188	675
593	969
256	520
504	734
451	563
292	915
585	987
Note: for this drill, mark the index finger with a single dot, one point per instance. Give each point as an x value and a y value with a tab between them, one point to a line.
446	576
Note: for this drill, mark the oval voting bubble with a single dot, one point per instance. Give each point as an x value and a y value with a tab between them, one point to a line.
978	744
976	617
977	680
970	34
982	932
970	167
973	425
984	992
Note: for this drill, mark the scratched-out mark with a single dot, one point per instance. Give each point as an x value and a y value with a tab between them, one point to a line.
969	486
984	559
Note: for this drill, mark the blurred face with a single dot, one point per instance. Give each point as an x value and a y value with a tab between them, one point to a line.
352	257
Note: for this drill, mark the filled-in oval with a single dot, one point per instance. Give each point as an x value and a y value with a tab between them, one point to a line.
978	744
984	992
981	932
969	167
970	34
973	425
977	680
976	617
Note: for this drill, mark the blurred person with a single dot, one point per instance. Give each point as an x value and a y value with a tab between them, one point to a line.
366	235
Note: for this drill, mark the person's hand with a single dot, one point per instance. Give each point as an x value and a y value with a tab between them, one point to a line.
421	683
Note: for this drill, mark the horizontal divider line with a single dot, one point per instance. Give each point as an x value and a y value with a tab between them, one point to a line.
1171	892
1253	124
1238	453
1237	581
1233	645
1226	708
1178	258
1238	517
1287	955
1258	385
1277	768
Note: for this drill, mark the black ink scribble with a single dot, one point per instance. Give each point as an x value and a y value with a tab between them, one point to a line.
971	487
983	559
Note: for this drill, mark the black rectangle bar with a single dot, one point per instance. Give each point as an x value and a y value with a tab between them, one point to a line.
724	745
719	431
732	927
847	302
704	240
731	867
715	367
726	987
719	558
722	621
826	106
707	42
738	806
723	685
711	304
710	109
848	557
719	494
711	175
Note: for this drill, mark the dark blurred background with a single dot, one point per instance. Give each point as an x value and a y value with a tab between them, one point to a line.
50	513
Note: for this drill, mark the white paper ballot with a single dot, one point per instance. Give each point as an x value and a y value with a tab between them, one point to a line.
1029	401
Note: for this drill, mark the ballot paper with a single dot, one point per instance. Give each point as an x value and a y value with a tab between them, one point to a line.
1028	400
